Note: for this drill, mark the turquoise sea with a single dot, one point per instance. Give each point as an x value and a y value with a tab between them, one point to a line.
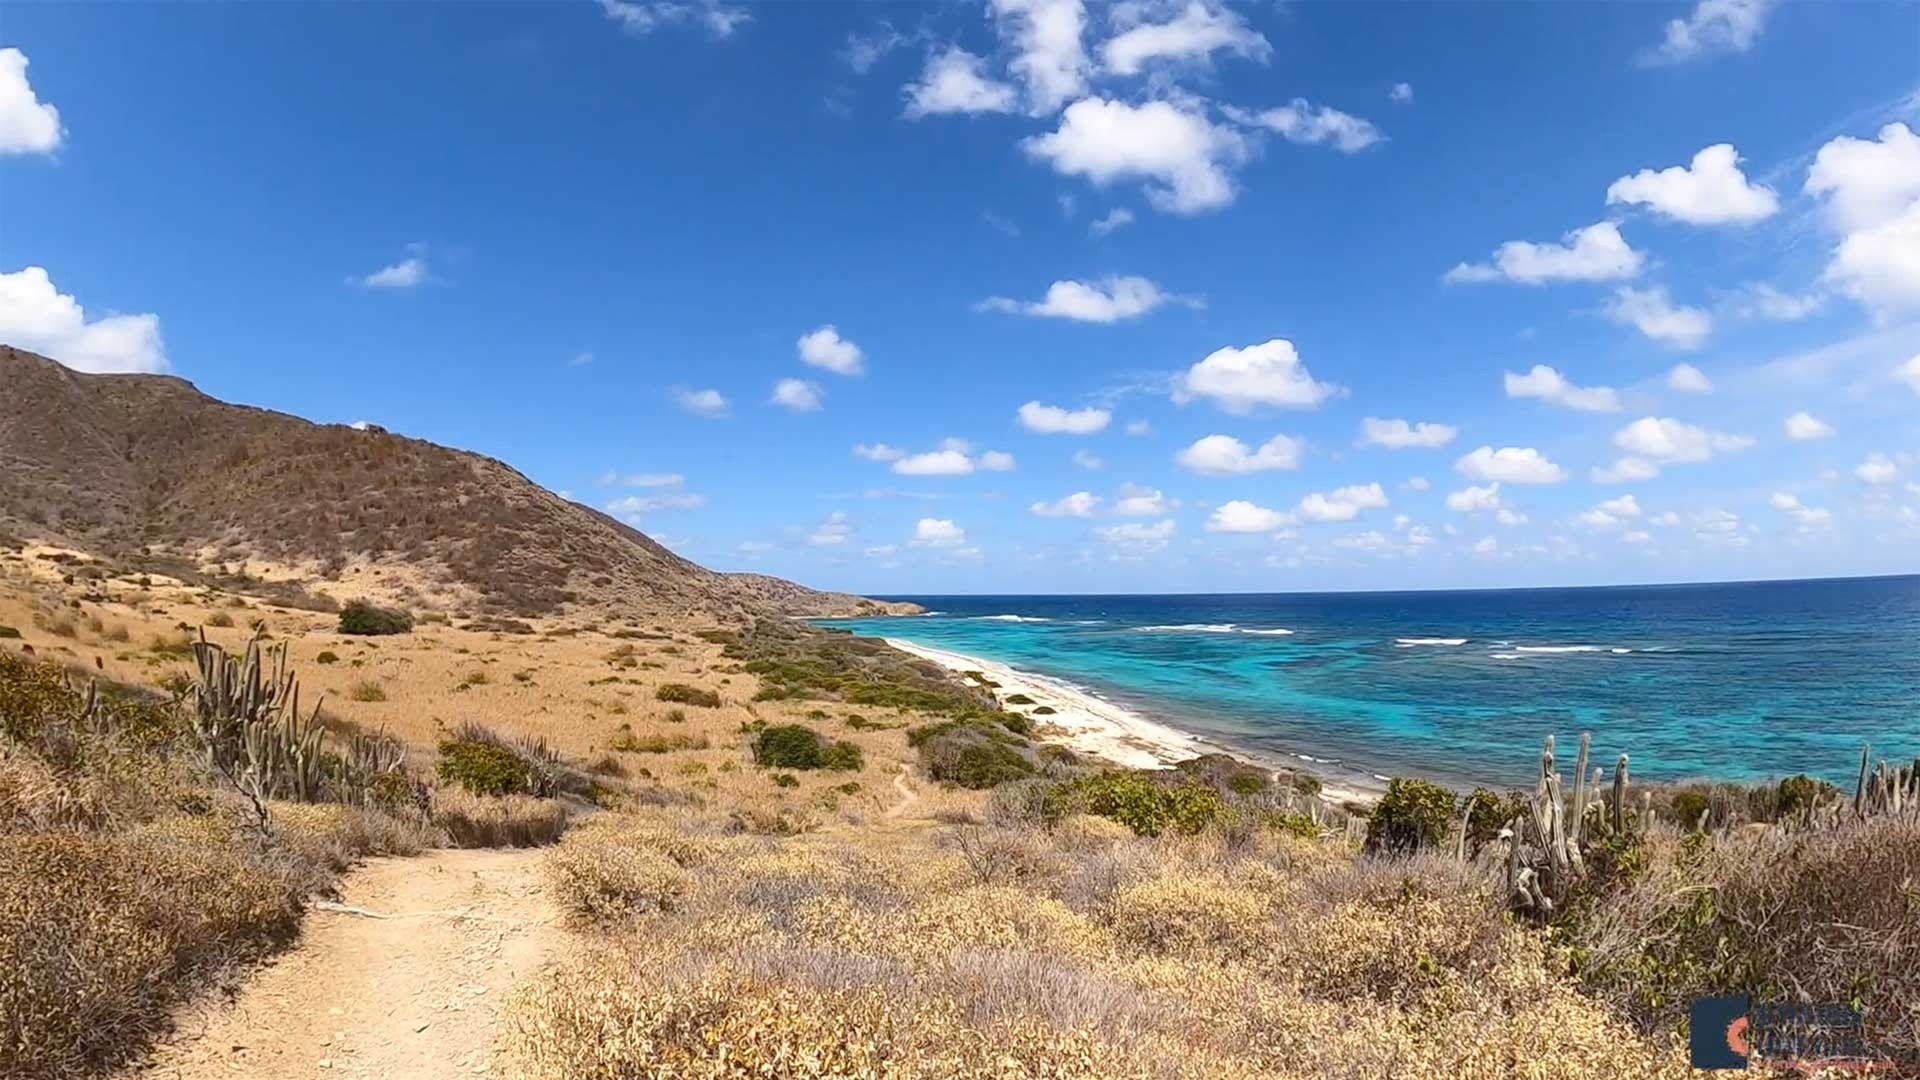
1727	681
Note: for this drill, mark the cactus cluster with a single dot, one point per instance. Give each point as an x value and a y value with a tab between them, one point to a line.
1546	847
246	711
1885	790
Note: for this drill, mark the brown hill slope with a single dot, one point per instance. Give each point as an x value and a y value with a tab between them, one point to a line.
148	469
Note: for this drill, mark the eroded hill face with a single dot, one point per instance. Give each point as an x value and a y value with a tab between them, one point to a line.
148	470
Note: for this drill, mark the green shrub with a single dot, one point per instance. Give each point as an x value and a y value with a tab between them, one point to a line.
842	757
979	766
363	618
1019	699
1488	813
682	694
784	779
1688	806
367	690
1798	794
1299	825
219	618
1250	782
788	746
327	656
1133	799
1045	710
1412	815
9	632
1308	785
484	768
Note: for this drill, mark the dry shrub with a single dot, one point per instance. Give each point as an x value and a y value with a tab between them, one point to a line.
100	934
334	836
484	821
636	1013
1828	914
604	873
1182	914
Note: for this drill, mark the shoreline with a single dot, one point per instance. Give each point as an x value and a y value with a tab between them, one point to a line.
1089	724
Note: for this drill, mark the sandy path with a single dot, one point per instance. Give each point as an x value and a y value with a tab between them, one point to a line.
908	796
406	977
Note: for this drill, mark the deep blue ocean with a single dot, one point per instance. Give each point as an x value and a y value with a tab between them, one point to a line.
1725	681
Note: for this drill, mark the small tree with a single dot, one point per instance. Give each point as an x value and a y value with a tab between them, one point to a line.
1413	814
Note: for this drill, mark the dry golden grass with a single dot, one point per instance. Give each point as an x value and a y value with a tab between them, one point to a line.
982	951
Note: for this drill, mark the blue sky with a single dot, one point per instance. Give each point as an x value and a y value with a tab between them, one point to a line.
1209	243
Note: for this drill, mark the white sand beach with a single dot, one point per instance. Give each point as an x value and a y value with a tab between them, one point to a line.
1088	724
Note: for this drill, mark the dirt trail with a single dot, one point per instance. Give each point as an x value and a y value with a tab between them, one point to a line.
908	796
406	977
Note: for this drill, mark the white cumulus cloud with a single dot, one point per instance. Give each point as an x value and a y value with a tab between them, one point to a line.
1194	33
1803	426
1714	26
1106	301
27	124
825	348
1548	385
1049	58
710	403
956	81
797	395
1650	312
1342	504
1872	195
1400	435
1224	455
1240	380
1687	379
1241	516
938	532
39	318
1137	501
1595	253
1878	469
1302	122
1712	191
1054	420
1665	440
1185	160
1510	465
1080	504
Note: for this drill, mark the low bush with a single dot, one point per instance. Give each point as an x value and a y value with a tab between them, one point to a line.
367	690
796	746
484	768
628	742
682	694
219	618
509	821
1138	801
327	656
363	618
1412	815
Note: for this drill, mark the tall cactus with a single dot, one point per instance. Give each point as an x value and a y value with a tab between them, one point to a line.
247	714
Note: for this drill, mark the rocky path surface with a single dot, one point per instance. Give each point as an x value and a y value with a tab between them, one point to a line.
406	976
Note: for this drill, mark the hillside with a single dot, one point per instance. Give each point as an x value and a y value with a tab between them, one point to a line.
148	470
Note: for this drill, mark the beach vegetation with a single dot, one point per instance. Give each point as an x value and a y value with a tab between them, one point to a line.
1413	815
362	618
796	746
682	694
